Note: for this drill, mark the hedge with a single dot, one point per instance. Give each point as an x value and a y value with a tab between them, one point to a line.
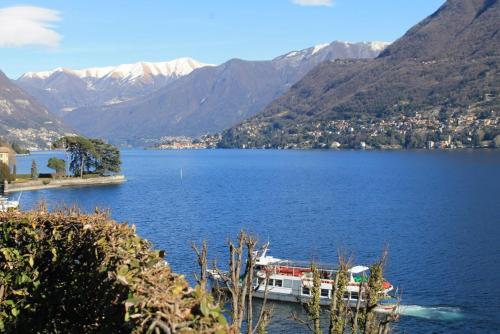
67	272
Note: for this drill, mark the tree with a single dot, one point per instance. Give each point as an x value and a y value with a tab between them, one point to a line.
374	290
82	152
238	282
314	306
338	306
4	172
13	175
19	149
108	157
34	170
59	165
90	155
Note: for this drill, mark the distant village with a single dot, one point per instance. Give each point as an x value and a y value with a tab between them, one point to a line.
430	130
34	139
422	131
187	143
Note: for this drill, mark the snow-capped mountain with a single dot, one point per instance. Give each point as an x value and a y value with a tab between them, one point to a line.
64	89
129	72
334	50
209	99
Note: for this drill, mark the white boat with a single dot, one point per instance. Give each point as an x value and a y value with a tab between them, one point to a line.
292	281
7	204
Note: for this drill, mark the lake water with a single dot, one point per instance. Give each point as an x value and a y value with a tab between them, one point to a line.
437	212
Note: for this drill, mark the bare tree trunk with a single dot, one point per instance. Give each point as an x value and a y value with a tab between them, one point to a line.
341	279
265	318
201	256
358	305
81	167
314	306
375	287
265	313
240	286
387	329
333	305
250	243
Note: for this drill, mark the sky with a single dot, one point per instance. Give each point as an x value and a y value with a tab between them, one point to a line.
43	35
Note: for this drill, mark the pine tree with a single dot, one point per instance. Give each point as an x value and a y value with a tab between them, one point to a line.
13	175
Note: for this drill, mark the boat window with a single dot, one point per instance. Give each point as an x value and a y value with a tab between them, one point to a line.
358	278
346	295
306	290
287	283
354	295
325	293
271	282
278	282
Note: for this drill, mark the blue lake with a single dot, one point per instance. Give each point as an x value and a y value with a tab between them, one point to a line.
437	212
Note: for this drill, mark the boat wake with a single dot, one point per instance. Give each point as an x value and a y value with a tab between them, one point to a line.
431	312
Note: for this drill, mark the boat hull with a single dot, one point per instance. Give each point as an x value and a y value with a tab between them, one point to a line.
384	307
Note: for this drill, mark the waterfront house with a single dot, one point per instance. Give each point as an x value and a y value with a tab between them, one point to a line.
7	156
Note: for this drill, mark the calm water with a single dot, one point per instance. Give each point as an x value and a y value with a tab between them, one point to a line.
438	212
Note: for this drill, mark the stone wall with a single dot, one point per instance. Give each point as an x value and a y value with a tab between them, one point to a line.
63	182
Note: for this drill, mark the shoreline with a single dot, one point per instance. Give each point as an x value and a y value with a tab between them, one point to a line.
63	183
323	149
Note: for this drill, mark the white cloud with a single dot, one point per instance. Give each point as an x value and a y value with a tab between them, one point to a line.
28	26
327	3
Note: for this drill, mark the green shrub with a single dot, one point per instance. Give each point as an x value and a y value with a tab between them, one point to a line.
66	272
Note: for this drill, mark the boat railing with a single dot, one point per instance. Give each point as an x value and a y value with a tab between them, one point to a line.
297	271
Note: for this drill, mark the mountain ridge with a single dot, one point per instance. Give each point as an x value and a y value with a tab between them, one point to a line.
178	66
443	70
24	120
209	99
63	90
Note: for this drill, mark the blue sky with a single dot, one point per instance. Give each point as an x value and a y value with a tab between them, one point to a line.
79	34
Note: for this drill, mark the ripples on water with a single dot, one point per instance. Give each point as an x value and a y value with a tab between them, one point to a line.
438	212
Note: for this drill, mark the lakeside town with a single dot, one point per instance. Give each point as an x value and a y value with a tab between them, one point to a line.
419	131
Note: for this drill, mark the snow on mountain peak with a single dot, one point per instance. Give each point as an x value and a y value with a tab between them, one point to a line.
176	67
312	51
319	47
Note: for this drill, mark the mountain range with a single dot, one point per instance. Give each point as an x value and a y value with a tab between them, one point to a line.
439	82
141	102
63	90
23	119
